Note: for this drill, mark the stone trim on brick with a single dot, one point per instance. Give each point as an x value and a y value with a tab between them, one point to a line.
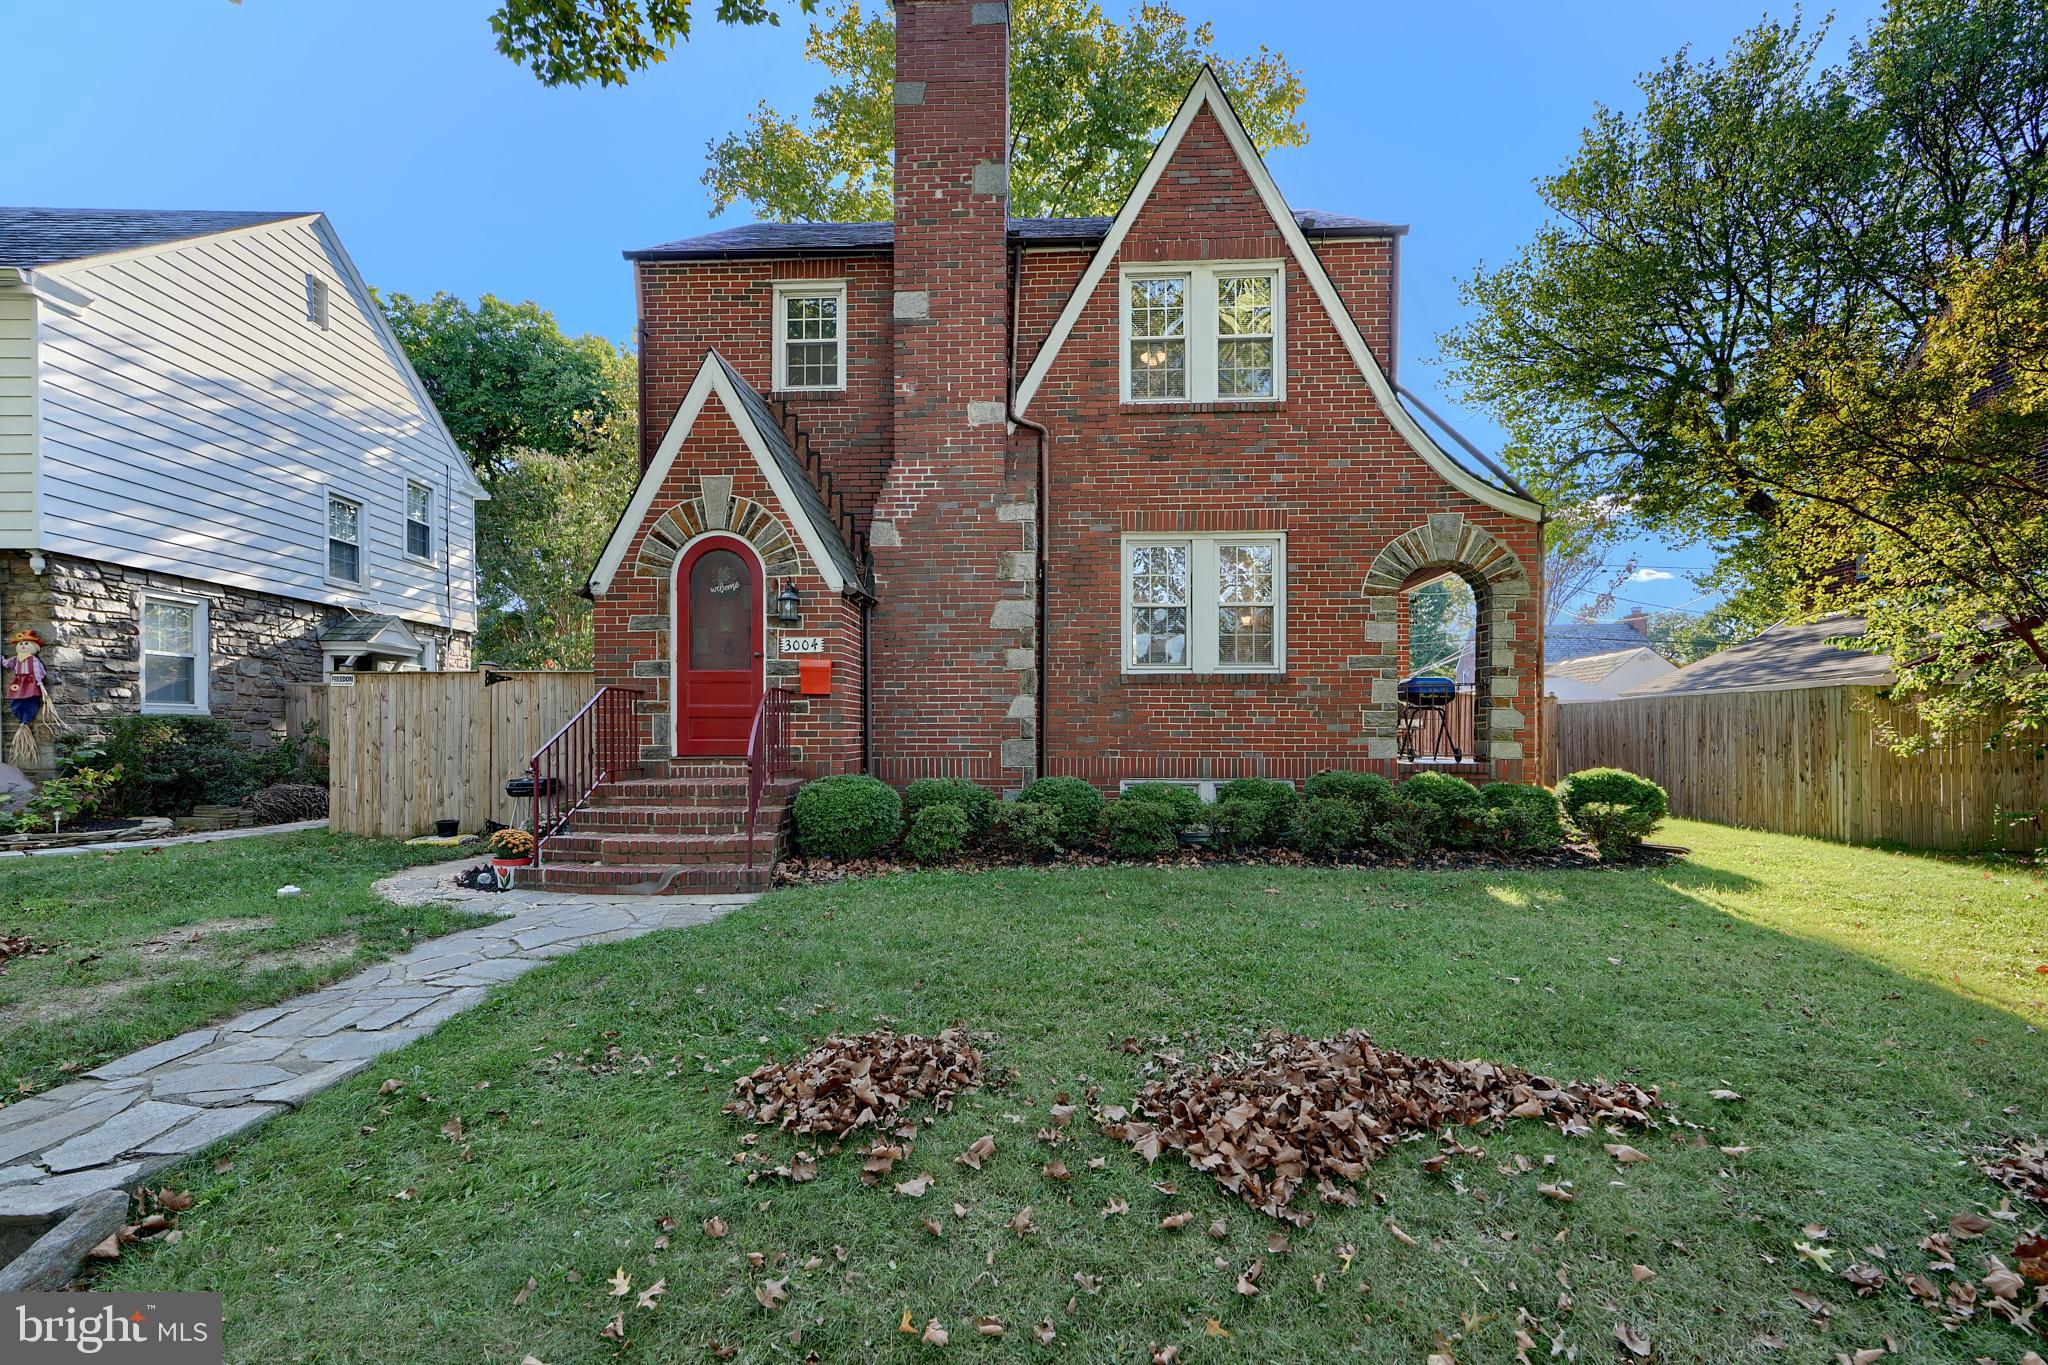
747	519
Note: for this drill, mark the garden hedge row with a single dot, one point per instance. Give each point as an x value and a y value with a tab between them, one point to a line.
1335	815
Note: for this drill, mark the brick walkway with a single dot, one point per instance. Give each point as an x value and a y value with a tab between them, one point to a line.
143	1112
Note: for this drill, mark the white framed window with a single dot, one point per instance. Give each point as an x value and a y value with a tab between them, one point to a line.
1200	333
174	653
810	334
1209	603
316	301
344	539
419	520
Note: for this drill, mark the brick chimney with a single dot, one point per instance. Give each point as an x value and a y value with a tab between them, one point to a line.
954	534
1639	620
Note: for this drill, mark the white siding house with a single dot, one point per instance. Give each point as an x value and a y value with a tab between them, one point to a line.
209	409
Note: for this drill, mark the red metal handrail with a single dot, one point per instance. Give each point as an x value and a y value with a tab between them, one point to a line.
600	742
767	753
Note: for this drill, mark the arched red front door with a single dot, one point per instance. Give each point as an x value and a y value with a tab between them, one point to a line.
718	646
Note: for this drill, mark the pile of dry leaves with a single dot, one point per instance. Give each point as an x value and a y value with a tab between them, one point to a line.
1327	1108
2023	1169
160	1215
866	1081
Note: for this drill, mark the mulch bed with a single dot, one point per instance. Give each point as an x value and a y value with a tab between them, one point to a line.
1322	1110
796	871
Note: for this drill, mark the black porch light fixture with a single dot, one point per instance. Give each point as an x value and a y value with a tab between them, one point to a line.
788	603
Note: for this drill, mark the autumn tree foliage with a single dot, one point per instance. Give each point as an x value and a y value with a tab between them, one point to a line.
1089	98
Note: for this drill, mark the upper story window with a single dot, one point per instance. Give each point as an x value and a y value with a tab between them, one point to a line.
344	539
174	653
419	523
316	301
1205	603
1200	333
810	334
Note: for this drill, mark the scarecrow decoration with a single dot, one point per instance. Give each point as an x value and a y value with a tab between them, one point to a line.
28	698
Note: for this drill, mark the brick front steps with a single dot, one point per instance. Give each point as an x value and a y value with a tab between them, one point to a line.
679	831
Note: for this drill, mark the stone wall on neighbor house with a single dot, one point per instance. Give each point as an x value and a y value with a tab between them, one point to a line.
88	612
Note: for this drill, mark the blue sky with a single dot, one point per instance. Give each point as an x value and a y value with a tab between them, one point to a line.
444	166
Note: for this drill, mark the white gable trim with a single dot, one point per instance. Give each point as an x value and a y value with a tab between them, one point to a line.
1208	92
711	378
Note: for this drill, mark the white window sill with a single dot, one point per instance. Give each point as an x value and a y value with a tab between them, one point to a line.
147	709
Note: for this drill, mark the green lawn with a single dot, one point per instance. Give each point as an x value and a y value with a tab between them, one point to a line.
145	944
1878	1011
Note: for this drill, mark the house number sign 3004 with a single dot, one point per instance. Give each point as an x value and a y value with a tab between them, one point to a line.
803	644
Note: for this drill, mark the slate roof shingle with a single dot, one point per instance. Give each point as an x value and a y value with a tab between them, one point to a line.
784	239
31	238
1785	656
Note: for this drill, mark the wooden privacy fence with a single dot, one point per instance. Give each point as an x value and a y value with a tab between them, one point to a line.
1809	761
408	749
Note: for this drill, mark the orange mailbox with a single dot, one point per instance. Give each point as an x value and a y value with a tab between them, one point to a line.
814	677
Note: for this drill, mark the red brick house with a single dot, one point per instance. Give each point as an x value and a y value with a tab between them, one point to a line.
1120	498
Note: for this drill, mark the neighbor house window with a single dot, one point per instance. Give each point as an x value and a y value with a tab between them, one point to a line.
316	301
173	653
1204	604
344	539
810	335
1202	333
419	526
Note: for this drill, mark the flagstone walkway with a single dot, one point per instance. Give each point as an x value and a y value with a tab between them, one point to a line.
134	1116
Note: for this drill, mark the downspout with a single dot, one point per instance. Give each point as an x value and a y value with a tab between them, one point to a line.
1043	517
867	677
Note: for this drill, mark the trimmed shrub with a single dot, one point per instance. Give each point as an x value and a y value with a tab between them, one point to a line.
1368	790
169	764
1184	802
1524	818
1329	826
1239	824
936	834
1615	809
977	803
1407	829
1459	808
1273	801
284	801
1077	804
1142	828
846	816
1030	829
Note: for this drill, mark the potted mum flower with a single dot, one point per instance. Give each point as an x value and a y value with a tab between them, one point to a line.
510	848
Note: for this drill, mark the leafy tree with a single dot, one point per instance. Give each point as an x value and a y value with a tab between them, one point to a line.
1441	618
1628	349
1575	564
1916	495
505	377
549	516
574	42
1089	98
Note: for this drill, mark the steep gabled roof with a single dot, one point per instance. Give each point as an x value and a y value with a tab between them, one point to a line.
800	239
779	464
1208	93
31	238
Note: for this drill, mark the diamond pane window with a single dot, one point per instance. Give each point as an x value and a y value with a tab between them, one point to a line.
1212	602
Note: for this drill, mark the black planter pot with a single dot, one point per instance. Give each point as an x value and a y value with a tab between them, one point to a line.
447	829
